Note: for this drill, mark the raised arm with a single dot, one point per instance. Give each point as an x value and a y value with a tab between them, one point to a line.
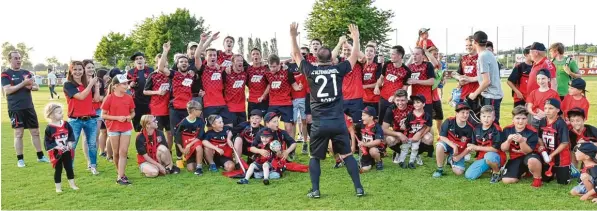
296	52
164	58
354	34
338	48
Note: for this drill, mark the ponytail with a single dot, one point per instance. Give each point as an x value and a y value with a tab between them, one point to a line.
111	84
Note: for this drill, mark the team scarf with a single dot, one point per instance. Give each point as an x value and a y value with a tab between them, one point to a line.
151	148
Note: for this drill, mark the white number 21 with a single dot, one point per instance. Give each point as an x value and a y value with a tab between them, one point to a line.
325	82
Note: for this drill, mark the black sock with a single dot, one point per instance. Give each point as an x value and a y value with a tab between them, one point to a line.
309	128
396	148
423	148
19	157
430	150
314	172
40	154
353	170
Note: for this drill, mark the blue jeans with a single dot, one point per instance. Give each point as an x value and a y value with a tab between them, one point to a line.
89	127
480	166
496	107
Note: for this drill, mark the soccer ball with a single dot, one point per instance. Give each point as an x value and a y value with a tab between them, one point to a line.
275	146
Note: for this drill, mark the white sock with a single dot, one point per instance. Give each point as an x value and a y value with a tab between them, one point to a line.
71	182
58	187
403	151
414	151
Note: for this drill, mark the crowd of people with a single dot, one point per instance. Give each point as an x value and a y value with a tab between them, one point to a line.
215	107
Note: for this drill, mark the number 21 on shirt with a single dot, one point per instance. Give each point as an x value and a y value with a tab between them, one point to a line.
320	92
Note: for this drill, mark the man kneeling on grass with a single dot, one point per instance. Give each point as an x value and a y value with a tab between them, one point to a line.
455	134
370	140
586	152
264	154
520	140
153	156
487	145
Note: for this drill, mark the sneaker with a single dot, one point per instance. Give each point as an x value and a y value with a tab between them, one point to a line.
180	163
266	182
313	194
103	154
395	158
88	167
379	165
243	181
94	171
199	171
174	170
111	160
43	159
305	151
21	163
300	139
402	165
438	173
537	183
419	160
122	181
127	179
574	172
291	156
495	178
213	168
338	165
360	192
412	166
467	157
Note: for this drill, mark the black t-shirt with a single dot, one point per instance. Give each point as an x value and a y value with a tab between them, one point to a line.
369	133
519	71
140	78
280	135
292	67
186	131
141	142
414	123
553	134
529	133
589	134
20	99
325	83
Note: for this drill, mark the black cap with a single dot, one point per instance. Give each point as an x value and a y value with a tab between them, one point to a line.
114	71
256	112
480	37
462	106
588	149
538	46
579	83
554	102
418	97
137	54
269	116
544	72
576	111
267	133
369	110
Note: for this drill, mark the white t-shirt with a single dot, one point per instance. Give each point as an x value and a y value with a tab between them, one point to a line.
52	78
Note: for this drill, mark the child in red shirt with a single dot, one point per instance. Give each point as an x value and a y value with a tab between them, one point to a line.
576	98
536	99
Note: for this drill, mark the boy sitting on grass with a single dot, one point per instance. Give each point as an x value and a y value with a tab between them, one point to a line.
264	155
586	152
487	145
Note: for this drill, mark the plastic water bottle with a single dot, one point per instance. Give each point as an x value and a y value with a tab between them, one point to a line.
545	156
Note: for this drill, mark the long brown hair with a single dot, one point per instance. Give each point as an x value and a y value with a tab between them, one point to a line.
69	76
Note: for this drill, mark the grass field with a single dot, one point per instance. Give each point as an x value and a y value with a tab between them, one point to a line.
393	188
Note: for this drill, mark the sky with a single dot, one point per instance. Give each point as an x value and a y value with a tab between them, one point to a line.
58	28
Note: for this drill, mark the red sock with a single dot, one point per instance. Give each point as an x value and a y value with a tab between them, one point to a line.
537	182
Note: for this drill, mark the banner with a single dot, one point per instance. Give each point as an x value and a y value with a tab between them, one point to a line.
588	71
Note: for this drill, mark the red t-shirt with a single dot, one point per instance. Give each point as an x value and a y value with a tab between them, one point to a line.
311	59
280	83
181	89
300	78
538	98
426	41
394	78
222	56
78	108
352	84
235	91
118	106
543	64
371	73
213	86
422	71
570	103
256	82
158	104
468	67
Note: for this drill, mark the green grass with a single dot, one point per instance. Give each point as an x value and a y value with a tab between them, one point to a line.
32	187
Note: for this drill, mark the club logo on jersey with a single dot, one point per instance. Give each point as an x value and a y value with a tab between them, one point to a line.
216	76
415	76
226	63
367	137
256	78
416	127
468	69
238	84
391	78
61	140
368	76
549	137
165	87
463	139
187	82
276	84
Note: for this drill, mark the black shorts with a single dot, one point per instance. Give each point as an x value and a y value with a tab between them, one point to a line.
308	104
355	109
521	102
103	125
560	173
367	160
382	107
428	108
515	168
284	111
322	131
163	123
140	110
218	110
176	116
220	160
263	105
438	113
192	158
26	118
238	117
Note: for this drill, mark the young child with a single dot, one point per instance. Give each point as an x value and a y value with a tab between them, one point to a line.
536	99
264	155
456	95
487	145
189	136
370	140
418	124
553	139
579	131
218	144
576	98
587	153
455	134
59	141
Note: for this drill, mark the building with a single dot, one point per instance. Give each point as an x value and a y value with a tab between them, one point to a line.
584	60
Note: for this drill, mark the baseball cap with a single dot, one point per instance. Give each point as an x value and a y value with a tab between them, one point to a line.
579	83
267	133
544	72
369	110
554	102
137	54
191	44
538	46
423	30
114	71
121	78
480	37
256	112
462	106
269	116
576	111
588	149
418	97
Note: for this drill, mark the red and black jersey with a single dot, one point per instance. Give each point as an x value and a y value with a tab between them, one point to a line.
461	136
180	89
588	133
397	117
423	72
311	59
148	144
415	123
187	131
140	78
529	133
369	133
352	84
220	139
394	79
553	134
234	91
158	105
371	73
490	137
280	83
213	85
256	82
222	57
520	78
468	67
58	135
246	132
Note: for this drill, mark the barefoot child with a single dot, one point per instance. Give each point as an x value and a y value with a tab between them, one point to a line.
59	141
188	137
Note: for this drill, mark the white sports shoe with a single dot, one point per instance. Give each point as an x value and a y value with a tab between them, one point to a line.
94	171
21	163
467	157
396	159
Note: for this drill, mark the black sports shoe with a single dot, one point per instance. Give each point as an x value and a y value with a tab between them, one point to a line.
360	192
127	179
411	166
339	164
122	181
313	194
103	154
379	165
199	171
174	170
402	165
266	182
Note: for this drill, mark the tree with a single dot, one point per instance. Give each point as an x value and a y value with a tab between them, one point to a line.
22	49
52	62
330	18
250	47
266	51
40	67
241	46
113	48
274	46
591	49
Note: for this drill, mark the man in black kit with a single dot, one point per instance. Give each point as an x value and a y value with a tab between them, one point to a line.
325	81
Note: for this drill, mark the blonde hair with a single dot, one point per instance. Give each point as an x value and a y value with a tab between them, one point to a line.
50	108
559	47
146	119
212	118
194	105
487	109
